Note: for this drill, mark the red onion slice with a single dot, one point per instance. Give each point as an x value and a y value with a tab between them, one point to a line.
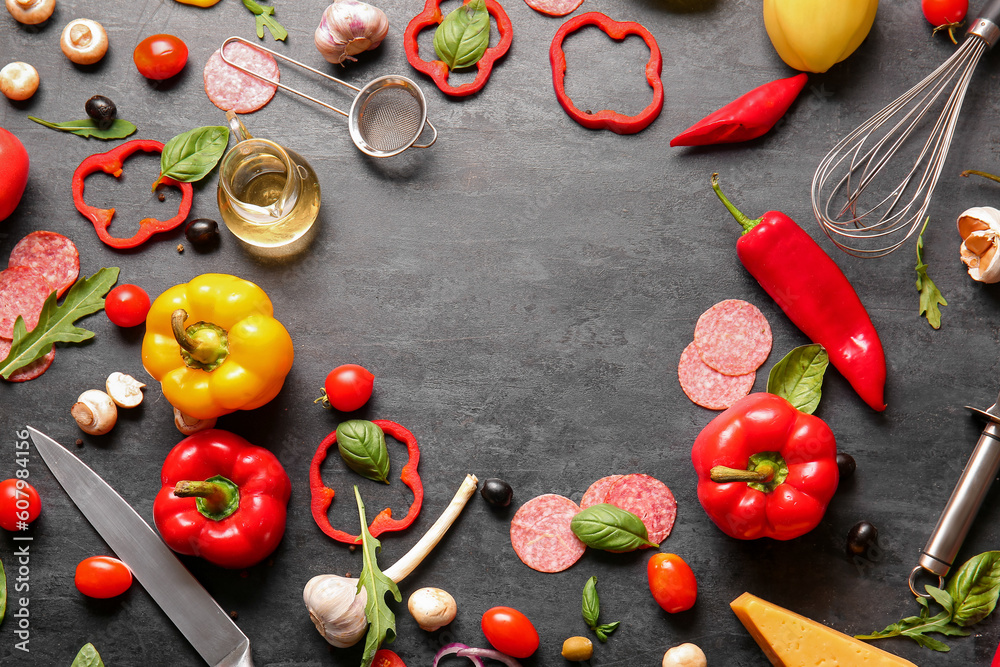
457	649
470	653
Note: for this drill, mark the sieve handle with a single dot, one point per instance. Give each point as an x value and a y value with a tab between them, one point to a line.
431	142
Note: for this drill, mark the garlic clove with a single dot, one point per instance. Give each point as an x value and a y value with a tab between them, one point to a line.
979	228
94	411
337	608
978	218
187	424
432	608
124	390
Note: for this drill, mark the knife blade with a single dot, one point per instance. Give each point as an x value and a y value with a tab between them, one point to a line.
184	600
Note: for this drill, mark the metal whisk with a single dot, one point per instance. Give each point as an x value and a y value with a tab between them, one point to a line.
874	223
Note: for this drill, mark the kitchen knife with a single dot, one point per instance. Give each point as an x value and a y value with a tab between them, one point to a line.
195	613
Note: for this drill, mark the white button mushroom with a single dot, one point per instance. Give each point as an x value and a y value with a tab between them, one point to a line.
685	655
84	41
94	411
432	608
124	390
18	80
31	12
187	424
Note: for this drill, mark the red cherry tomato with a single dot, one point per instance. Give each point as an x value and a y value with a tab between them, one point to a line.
102	577
510	632
944	12
127	305
13	172
19	504
672	582
386	658
348	387
160	56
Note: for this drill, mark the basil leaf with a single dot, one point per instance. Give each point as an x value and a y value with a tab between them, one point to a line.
119	129
798	378
88	657
610	528
191	155
604	630
362	446
591	603
975	588
464	35
3	592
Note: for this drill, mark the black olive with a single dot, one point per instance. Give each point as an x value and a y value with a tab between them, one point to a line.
202	233
846	465
102	110
863	536
497	492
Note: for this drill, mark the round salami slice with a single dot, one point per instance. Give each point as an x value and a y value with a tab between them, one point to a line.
554	7
32	370
649	499
541	536
733	337
22	292
229	88
51	254
708	387
598	490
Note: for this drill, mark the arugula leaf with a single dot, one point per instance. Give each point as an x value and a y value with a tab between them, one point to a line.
798	377
265	19
381	620
191	155
464	35
607	527
362	446
119	129
55	323
975	588
592	610
930	295
88	657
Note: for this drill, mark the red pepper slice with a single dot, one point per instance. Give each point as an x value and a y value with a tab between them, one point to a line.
322	495
608	120
111	163
436	69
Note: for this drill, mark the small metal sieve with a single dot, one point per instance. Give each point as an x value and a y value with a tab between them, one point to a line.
387	117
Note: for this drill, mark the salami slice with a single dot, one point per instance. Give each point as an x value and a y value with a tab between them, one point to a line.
229	88
22	292
708	387
554	7
733	337
541	536
649	499
32	370
51	254
598	490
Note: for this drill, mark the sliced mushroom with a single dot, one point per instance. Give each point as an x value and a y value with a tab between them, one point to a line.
31	12
18	80
124	390
84	41
94	411
187	424
979	228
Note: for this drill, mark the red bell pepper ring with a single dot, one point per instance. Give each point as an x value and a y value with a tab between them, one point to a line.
608	120
322	495
747	117
111	163
438	70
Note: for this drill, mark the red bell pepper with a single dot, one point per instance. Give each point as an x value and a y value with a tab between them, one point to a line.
322	495
438	70
111	163
765	469
747	117
815	294
608	120
223	499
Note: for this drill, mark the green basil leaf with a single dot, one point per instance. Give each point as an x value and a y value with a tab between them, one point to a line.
610	528
191	155
464	35
3	592
362	446
119	129
604	630
591	603
975	588
798	378
88	657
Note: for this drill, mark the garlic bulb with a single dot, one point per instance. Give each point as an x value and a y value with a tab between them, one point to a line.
979	228
349	27
337	608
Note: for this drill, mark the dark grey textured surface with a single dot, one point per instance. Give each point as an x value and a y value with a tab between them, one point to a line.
522	291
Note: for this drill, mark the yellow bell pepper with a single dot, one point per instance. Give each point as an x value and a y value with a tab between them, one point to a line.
815	35
199	3
232	355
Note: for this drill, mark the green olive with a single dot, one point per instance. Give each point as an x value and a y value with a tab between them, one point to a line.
578	648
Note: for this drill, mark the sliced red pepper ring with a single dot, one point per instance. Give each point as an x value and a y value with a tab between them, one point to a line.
111	163
438	70
605	119
322	495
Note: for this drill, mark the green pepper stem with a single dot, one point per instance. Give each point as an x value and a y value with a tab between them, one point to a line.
217	497
205	345
741	217
973	172
723	475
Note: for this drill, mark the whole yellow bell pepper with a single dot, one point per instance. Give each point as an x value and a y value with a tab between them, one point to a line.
232	355
815	35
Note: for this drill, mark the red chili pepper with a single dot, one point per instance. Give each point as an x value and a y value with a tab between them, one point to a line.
438	70
815	294
765	469
608	120
747	117
111	163
322	496
223	499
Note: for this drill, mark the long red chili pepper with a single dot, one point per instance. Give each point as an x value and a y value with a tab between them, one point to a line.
438	70
605	119
747	117
815	294
322	496
111	163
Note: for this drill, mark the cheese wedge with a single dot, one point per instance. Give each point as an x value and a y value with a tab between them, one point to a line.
791	640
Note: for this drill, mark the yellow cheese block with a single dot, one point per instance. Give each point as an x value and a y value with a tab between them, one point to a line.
790	640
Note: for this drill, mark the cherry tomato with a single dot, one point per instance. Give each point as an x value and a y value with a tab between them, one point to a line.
160	56
102	577
348	387
672	582
13	172
19	504
386	658
944	12
510	632
127	305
